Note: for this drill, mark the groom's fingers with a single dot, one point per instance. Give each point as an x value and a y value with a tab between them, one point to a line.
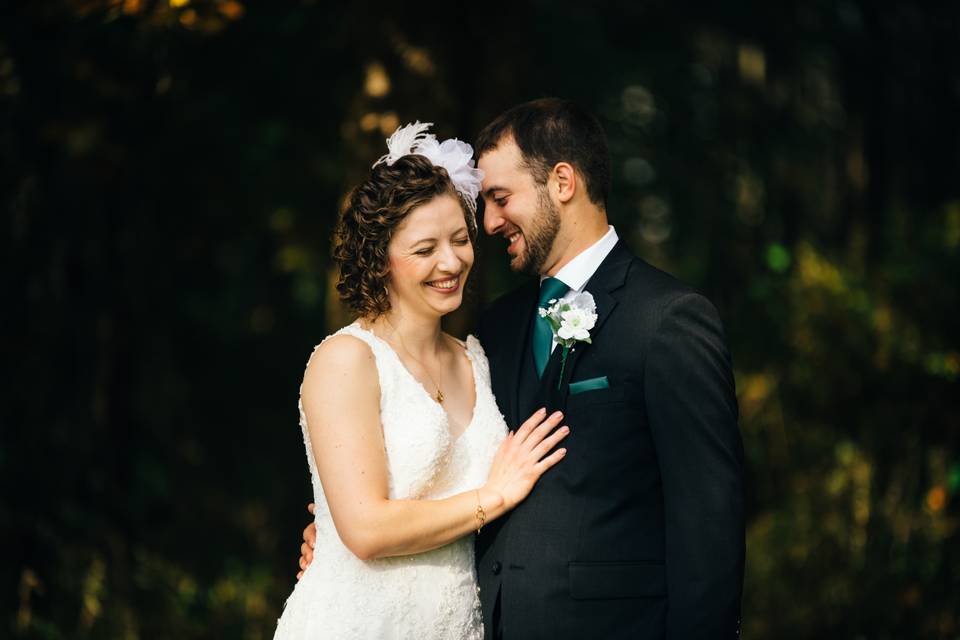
306	553
311	507
310	535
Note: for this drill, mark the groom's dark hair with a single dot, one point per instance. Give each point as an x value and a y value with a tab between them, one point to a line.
552	130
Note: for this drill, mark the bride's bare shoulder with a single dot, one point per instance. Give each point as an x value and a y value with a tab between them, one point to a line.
342	360
455	341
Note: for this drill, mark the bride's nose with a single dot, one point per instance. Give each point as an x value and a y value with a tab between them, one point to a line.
448	260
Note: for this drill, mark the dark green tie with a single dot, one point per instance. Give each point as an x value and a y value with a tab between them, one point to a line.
550	289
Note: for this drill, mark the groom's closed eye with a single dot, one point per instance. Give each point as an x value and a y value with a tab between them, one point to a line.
496	195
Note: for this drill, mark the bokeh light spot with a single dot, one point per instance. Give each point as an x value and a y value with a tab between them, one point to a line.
778	257
369	122
389	123
377	82
752	63
638	172
638	105
936	499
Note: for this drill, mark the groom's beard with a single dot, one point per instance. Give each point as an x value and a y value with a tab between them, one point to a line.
539	235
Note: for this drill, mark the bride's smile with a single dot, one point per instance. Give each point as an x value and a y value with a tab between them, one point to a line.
448	286
429	257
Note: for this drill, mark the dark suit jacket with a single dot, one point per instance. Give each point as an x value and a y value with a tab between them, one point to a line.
639	531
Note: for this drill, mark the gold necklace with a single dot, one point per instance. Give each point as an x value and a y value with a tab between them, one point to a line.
439	396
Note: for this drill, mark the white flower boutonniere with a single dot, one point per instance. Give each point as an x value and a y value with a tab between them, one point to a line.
571	322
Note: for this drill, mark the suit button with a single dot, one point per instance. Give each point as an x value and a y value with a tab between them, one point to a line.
496	568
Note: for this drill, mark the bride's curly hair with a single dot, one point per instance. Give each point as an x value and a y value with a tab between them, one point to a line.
372	212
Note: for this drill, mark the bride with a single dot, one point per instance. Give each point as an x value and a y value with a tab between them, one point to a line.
408	453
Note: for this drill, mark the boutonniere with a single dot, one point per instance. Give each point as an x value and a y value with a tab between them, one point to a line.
571	321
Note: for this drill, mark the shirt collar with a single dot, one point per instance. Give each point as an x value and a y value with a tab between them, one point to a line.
575	273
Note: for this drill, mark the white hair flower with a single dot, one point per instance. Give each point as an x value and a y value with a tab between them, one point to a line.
455	156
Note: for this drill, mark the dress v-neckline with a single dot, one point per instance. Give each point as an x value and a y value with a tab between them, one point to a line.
431	399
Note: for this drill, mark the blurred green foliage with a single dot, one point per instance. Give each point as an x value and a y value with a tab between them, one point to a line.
169	176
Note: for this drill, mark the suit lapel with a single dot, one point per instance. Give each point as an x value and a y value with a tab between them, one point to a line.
603	284
548	390
518	327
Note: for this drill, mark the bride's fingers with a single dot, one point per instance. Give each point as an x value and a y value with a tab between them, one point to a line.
528	425
543	430
549	461
550	442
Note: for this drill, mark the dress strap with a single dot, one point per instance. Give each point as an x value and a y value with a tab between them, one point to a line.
481	365
381	355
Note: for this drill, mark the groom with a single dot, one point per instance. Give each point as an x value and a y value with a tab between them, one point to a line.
639	531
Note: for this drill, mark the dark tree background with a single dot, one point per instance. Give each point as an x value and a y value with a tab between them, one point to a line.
169	175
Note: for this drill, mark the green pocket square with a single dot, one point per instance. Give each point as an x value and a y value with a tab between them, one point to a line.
589	385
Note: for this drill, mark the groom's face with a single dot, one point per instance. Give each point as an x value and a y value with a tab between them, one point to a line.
518	209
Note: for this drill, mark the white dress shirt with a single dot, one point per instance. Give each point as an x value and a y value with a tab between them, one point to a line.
578	271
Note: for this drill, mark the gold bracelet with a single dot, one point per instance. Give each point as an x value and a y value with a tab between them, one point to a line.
481	515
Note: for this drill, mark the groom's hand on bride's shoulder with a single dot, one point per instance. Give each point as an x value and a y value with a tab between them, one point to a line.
309	542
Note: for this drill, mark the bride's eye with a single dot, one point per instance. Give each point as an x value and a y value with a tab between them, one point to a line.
424	252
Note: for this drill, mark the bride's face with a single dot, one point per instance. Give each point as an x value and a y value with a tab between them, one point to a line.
430	256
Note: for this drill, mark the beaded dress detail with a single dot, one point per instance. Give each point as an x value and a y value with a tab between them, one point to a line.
430	595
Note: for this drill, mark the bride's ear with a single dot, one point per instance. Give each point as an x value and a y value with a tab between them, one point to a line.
386	284
563	182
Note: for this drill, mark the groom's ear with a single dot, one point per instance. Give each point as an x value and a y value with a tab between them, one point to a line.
563	182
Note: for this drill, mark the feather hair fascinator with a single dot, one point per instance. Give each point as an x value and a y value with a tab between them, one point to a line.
403	141
453	155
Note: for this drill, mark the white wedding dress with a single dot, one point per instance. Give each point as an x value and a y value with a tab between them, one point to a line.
431	595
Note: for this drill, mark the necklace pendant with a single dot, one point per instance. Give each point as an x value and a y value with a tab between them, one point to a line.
439	396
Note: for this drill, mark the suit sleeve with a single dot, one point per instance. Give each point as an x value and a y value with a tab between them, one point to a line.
692	412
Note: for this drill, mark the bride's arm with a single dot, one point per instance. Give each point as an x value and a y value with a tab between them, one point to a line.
341	399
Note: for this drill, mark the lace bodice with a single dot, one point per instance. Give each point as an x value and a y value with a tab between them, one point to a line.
426	595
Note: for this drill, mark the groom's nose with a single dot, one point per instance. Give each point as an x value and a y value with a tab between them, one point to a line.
492	220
